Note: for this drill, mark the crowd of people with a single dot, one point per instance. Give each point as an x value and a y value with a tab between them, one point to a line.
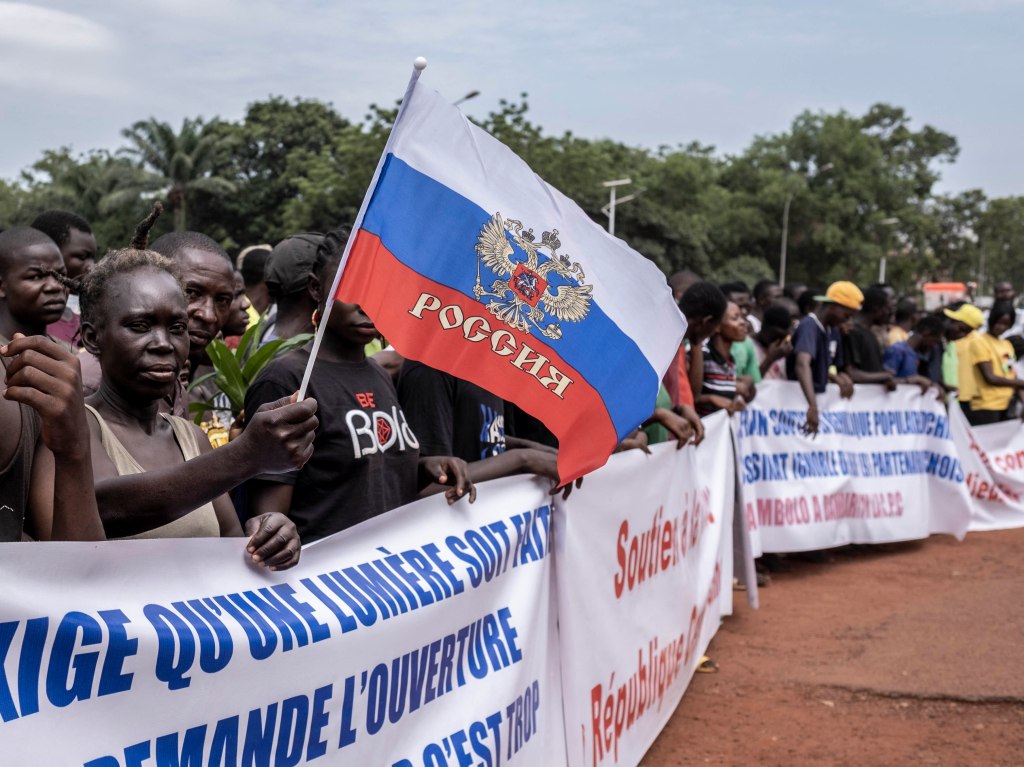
100	355
103	357
738	337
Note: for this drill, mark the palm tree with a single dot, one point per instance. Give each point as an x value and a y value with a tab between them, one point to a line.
182	162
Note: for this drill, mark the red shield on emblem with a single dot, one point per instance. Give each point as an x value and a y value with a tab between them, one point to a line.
527	284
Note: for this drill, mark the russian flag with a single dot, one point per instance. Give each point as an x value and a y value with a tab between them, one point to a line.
469	262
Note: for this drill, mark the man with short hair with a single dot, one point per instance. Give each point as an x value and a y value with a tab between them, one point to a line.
77	246
766	293
43	431
1003	291
794	290
921	354
817	347
208	279
241	315
73	236
680	281
32	295
862	352
881	329
772	342
253	264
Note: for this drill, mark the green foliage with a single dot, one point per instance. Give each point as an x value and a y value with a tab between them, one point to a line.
331	183
181	163
1000	231
746	269
235	369
859	186
85	184
846	175
272	150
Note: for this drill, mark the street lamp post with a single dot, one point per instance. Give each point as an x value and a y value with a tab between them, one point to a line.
785	226
881	263
785	238
609	209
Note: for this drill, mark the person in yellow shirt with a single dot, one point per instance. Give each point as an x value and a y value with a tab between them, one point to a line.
962	329
993	362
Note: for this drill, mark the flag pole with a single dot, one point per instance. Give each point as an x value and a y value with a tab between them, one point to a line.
418	66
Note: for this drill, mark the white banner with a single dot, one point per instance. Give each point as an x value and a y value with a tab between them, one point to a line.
993	458
644	572
423	637
882	468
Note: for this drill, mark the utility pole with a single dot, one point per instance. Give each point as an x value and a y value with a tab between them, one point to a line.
881	263
785	225
785	238
613	200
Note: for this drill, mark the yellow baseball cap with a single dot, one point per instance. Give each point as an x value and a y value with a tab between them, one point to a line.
968	314
843	293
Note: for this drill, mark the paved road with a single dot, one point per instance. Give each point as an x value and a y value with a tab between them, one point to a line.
903	654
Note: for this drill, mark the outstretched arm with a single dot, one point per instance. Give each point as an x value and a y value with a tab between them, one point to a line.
883	377
517	443
542	461
675	423
279	438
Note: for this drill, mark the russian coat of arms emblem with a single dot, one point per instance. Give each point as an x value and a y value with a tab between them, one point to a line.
536	287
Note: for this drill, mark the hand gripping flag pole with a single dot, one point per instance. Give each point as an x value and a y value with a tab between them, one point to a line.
418	65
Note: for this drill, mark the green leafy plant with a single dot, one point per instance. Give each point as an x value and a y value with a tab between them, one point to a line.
235	369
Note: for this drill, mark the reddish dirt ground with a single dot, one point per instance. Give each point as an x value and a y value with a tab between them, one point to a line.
903	654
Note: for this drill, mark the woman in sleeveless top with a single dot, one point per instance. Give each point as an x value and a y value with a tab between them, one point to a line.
134	320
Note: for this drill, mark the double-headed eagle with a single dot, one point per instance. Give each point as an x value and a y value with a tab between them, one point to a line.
523	287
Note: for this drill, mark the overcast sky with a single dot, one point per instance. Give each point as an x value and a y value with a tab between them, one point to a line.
646	72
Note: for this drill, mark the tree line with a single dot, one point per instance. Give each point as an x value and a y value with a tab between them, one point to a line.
855	188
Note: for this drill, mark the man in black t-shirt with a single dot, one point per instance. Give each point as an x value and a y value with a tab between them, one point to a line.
450	415
455	417
365	454
862	352
521	425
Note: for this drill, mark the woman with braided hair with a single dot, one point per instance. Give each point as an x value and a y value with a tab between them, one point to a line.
156	474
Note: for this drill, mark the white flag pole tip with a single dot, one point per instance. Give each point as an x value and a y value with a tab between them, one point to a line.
420	63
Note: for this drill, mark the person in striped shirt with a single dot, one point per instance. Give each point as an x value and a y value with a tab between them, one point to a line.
720	389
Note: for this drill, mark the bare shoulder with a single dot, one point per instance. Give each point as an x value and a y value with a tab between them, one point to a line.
102	466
